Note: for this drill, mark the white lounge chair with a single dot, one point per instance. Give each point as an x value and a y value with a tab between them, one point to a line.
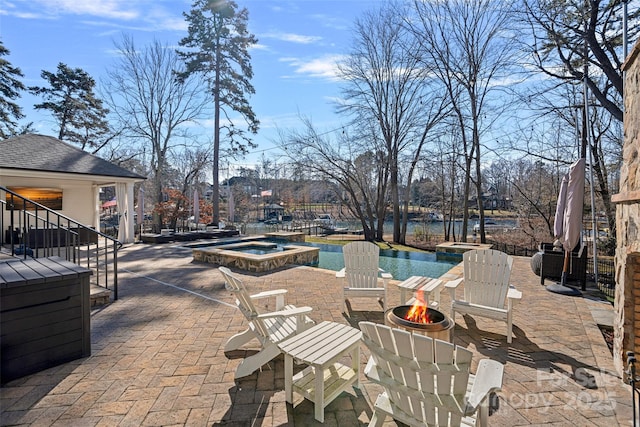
427	382
268	328
487	292
361	272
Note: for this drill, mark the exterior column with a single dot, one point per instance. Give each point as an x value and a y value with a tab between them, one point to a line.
96	207
130	210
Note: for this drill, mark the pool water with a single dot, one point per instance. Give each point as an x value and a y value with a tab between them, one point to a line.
259	250
401	264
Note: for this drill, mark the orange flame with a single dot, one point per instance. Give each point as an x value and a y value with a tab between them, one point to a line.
419	311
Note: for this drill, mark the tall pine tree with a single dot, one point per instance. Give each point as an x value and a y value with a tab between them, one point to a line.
80	115
217	47
10	88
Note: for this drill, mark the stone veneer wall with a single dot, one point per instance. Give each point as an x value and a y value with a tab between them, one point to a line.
627	299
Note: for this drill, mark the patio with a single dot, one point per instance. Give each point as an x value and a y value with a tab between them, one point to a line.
157	355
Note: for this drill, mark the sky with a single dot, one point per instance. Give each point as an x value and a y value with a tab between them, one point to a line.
299	42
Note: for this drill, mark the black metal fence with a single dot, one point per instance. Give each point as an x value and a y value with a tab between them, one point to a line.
606	275
514	250
606	266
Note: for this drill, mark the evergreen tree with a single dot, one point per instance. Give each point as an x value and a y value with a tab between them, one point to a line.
80	115
217	48
10	88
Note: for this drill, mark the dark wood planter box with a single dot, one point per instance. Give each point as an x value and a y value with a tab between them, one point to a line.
553	262
44	315
37	238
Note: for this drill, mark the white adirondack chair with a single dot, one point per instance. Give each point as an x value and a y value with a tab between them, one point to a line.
427	381
361	272
487	292
268	328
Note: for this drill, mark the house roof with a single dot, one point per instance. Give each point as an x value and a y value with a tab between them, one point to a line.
46	153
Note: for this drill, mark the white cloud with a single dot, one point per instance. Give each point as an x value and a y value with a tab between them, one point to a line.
291	37
140	15
119	9
333	22
323	67
260	46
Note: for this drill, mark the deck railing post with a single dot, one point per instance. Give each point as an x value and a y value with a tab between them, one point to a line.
115	270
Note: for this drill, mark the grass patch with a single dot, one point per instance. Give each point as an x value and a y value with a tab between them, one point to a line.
381	245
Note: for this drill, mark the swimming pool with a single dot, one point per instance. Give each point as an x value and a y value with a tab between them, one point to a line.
401	264
263	256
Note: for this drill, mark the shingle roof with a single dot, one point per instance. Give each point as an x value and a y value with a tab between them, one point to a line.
46	153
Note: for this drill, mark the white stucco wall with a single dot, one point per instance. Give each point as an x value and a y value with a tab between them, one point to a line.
77	196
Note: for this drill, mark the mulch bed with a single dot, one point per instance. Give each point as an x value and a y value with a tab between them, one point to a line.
607	334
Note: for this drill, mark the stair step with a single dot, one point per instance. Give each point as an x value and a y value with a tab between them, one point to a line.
99	296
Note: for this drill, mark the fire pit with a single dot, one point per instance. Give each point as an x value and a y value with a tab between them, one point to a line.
420	319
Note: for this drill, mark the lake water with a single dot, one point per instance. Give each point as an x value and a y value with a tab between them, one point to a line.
432	228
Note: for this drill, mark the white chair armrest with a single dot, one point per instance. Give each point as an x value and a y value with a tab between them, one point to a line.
285	313
278	293
267	294
514	294
488	379
452	285
341	274
385	275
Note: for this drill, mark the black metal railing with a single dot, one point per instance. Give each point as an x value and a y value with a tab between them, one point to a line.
606	275
606	265
30	229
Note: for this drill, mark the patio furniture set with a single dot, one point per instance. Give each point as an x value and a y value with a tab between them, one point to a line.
426	380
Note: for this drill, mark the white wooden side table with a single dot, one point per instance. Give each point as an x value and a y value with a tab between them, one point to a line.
426	285
320	347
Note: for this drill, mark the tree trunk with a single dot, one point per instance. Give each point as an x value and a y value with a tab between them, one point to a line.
215	193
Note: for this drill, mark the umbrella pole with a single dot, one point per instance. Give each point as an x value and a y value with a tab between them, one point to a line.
565	268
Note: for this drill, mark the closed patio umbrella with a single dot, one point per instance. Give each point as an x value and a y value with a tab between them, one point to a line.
568	220
196	207
232	208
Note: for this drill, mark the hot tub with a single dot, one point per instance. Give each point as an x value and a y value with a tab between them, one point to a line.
257	256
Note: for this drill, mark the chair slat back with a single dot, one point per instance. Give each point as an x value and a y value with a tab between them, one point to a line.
486	277
361	264
425	378
243	301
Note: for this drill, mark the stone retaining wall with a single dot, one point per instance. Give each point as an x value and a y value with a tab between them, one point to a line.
627	298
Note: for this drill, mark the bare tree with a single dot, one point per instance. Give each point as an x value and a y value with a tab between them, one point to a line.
536	185
560	30
190	167
465	43
361	174
151	104
388	85
554	132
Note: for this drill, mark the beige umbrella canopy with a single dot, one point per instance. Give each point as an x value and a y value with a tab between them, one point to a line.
568	220
567	226
196	207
